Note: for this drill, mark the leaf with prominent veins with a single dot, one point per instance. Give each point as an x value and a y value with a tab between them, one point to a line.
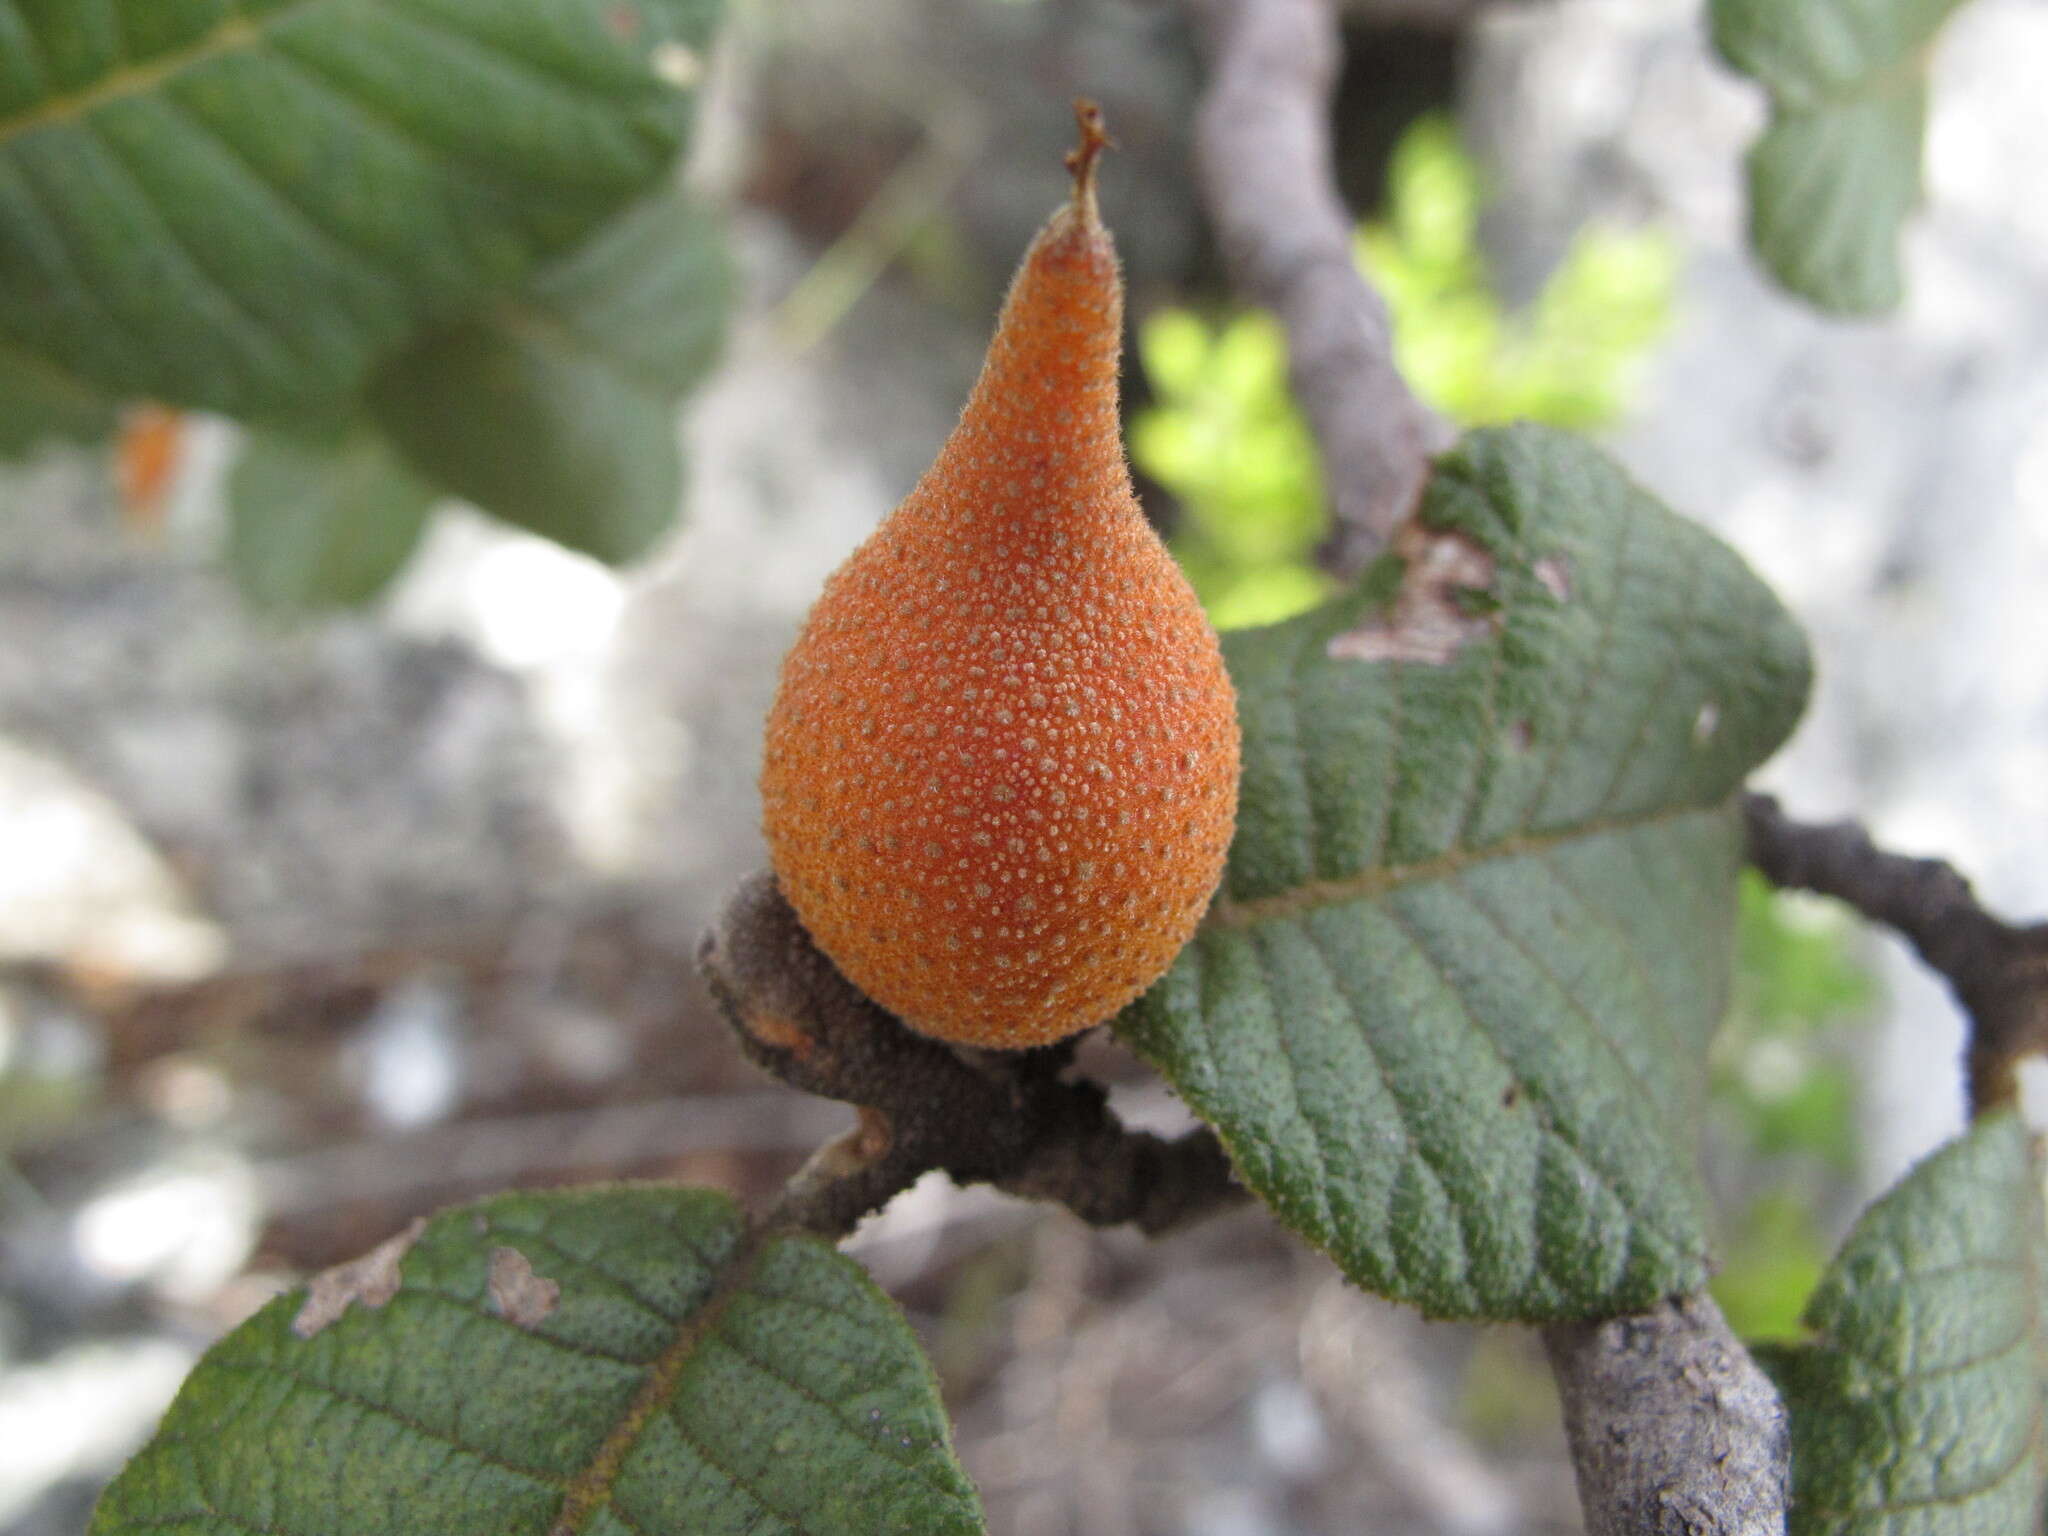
1450	1011
589	1363
243	207
1917	1407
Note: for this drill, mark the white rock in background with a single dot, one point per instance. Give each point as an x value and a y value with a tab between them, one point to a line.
80	886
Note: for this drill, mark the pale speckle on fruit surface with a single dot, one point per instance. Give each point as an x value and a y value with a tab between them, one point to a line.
1044	741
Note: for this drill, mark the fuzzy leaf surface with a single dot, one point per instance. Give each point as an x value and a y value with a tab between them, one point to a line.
556	410
1450	1012
242	205
1917	1408
590	1363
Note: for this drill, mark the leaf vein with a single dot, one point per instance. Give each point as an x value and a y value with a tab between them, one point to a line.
496	1319
538	1238
384	1410
1380	880
922	1470
745	1485
1463	888
445	162
1403	1113
501	57
591	1489
1549	1126
1627	945
1603	647
1487	748
235	33
1326	1218
60	246
291	210
252	336
1681	645
1397	722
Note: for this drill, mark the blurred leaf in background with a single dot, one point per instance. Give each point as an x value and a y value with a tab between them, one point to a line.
1227	441
1224	437
317	522
1785	1093
1836	172
454	225
556	409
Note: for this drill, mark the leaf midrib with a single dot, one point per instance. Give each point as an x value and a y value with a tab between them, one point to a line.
235	32
1314	895
590	1490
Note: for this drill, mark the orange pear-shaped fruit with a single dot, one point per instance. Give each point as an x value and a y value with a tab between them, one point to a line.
1001	769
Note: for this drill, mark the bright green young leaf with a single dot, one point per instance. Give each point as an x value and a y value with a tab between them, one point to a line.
1451	1010
588	1363
1837	170
1829	191
1224	436
1917	1408
321	522
556	410
244	206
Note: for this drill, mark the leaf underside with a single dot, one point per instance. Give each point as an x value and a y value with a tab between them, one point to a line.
610	1362
1837	170
1450	1012
244	205
1917	1409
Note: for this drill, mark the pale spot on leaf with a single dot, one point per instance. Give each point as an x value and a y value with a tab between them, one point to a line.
519	1295
1555	572
1427	621
371	1280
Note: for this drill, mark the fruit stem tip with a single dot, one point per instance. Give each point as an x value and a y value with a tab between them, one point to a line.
1094	140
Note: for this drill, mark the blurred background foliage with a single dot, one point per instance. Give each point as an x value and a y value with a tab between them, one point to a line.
1784	1089
1224	437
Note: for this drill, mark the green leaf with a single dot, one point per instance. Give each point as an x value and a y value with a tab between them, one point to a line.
1450	1012
1806	51
1837	170
557	410
244	206
40	402
598	1362
1829	192
1917	1409
317	523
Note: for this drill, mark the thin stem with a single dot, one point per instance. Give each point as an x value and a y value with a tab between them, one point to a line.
1998	970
